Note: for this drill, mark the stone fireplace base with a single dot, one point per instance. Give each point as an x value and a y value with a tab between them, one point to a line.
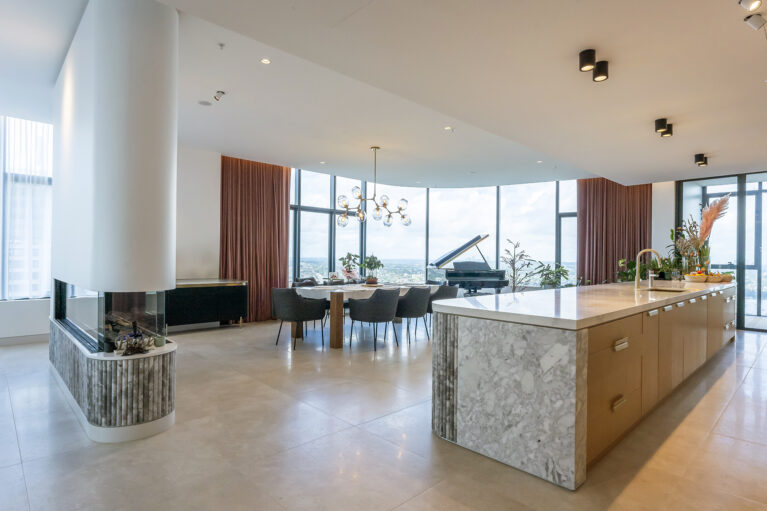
116	398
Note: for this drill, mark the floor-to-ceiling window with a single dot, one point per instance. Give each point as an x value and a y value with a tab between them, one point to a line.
542	216
26	157
456	215
402	249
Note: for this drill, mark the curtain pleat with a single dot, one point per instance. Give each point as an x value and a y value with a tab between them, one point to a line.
614	222
254	229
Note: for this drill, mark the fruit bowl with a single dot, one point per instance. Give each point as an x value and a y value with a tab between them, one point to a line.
727	277
714	278
696	277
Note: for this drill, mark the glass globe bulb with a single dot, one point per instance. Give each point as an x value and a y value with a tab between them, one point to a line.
384	200
357	192
387	221
377	213
342	220
403	204
361	216
406	220
343	201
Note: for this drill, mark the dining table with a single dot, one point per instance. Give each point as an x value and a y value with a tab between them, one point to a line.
337	295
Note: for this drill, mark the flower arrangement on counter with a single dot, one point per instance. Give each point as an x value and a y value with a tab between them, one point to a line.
692	240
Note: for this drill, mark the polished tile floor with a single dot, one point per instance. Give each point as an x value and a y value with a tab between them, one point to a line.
261	427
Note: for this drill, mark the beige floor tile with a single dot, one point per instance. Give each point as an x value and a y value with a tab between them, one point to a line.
689	496
351	469
13	492
732	466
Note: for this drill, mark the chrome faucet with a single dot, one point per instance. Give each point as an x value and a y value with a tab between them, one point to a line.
650	274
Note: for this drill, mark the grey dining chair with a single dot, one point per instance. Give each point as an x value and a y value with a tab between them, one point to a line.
381	307
414	305
288	305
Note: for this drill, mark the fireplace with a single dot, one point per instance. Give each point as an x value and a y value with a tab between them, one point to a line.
100	319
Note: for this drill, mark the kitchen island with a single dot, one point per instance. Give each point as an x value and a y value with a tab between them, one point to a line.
547	381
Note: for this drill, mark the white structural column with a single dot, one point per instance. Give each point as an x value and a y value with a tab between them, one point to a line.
114	178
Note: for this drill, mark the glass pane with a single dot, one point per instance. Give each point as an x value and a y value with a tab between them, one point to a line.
528	216
347	240
724	235
402	249
291	262
315	189
293	173
315	236
692	198
344	187
570	247
568	196
456	215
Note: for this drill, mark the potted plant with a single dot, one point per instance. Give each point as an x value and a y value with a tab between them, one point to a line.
371	264
551	277
349	262
520	266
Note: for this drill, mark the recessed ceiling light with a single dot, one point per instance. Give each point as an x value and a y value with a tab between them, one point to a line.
323	163
448	128
661	125
204	103
750	5
701	160
218	95
539	162
669	131
265	61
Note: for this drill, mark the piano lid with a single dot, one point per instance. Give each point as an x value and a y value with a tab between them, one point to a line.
440	262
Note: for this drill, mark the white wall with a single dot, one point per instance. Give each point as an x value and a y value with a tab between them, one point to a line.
198	217
24	317
663	212
114	181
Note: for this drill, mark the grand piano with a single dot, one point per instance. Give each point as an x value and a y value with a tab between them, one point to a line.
469	275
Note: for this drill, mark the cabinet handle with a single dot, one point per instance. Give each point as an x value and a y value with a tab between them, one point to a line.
680	304
693	300
704	298
727	326
653	312
667	308
620	401
621	344
714	293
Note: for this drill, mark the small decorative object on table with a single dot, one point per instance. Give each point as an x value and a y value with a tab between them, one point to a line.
348	263
692	240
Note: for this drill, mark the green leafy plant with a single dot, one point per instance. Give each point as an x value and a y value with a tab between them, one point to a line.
349	261
521	271
551	276
372	264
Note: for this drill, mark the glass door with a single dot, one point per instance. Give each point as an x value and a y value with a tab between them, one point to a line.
755	302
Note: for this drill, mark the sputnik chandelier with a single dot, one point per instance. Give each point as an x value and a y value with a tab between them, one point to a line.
382	204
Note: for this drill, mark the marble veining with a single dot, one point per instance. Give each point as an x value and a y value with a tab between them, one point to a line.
574	308
515	393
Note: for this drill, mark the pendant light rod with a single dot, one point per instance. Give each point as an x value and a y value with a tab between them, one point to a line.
375	149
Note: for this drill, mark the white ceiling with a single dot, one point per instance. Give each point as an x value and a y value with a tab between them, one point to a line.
510	68
297	113
351	73
34	38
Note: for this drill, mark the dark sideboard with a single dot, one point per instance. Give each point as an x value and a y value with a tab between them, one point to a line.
206	301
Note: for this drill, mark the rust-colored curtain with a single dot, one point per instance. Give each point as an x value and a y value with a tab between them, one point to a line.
254	229
614	222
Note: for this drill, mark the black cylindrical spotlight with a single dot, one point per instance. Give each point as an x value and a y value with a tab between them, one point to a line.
586	60
660	125
701	160
669	131
600	71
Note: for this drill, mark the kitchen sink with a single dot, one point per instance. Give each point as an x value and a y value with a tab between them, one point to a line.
664	289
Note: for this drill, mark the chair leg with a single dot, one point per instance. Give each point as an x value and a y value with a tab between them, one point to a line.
393	329
415	334
386	328
278	333
322	333
408	330
351	334
294	343
428	337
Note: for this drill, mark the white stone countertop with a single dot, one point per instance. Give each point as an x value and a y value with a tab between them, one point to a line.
574	308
